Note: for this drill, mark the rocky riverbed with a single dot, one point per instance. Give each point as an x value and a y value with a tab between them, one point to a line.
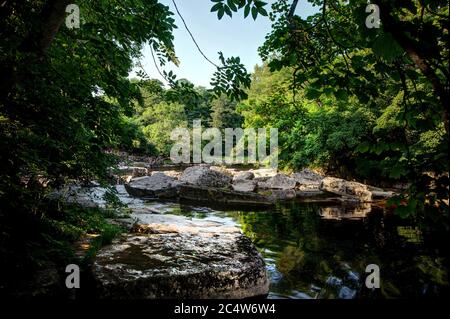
165	255
254	187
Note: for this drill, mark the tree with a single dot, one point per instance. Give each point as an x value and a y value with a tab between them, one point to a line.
403	64
224	113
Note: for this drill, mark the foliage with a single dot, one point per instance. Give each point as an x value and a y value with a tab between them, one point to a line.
382	93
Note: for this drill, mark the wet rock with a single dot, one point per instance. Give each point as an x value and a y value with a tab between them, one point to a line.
309	194
342	187
347	293
279	181
334	281
203	176
185	261
283	194
157	185
244	185
307	179
223	196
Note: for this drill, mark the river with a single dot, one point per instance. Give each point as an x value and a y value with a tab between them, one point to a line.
314	250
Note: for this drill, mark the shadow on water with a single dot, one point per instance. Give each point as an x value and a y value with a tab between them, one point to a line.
316	251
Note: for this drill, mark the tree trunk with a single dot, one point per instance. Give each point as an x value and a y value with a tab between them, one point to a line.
397	31
51	18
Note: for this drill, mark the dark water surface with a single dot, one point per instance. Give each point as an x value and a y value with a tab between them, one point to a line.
316	251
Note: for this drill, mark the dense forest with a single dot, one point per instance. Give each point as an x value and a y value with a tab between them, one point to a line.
364	104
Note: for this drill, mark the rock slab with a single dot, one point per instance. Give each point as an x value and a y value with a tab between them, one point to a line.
189	260
342	187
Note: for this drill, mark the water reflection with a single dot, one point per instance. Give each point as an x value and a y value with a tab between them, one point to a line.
314	251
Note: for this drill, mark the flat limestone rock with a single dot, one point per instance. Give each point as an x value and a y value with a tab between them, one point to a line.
349	189
174	264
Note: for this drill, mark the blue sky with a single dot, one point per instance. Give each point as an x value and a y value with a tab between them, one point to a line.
233	36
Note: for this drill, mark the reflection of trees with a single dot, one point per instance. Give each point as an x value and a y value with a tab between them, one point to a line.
308	249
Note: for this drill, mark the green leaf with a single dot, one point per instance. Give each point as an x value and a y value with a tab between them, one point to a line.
228	11
341	95
216	7
220	13
254	12
363	147
260	4
262	12
246	10
313	94
396	172
240	3
232	5
386	47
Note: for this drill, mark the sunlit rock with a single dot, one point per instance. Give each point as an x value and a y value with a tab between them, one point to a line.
307	179
279	181
157	185
179	258
242	185
342	187
203	176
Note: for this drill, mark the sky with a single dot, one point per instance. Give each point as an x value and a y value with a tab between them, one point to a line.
233	36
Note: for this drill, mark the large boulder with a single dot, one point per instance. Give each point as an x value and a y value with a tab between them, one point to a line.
180	258
242	185
353	190
279	181
203	176
307	179
158	185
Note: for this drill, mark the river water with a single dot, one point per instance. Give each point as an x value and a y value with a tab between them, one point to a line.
315	250
312	253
